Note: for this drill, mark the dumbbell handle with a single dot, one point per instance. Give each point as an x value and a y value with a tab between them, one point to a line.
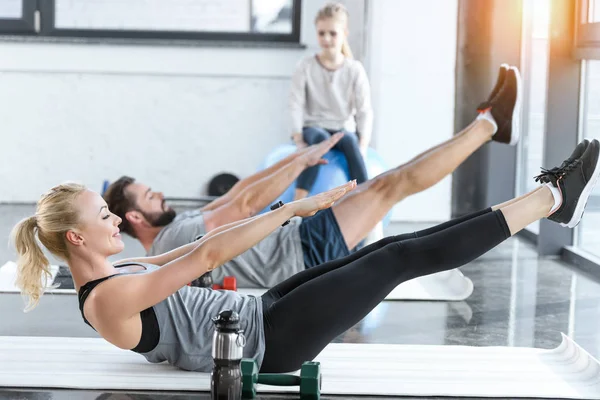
279	380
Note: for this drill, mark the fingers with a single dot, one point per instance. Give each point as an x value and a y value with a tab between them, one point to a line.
331	200
325	146
346	187
336	137
327	199
338	192
332	141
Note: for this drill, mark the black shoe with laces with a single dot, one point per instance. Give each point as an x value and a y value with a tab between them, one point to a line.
575	182
577	153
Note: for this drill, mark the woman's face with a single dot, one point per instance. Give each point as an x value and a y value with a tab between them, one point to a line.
97	231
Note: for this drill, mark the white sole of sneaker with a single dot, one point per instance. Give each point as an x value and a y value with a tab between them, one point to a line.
516	118
583	199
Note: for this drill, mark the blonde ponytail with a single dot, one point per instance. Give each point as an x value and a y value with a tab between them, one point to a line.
55	215
33	268
338	12
346	50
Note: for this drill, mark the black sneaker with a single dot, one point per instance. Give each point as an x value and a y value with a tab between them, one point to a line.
577	153
483	107
505	107
575	183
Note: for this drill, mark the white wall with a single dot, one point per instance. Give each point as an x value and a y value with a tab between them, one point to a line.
170	116
411	56
175	116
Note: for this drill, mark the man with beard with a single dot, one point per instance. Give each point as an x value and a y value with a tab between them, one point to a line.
145	213
331	233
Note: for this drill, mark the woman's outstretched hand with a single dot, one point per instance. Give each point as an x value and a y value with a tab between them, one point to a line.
310	205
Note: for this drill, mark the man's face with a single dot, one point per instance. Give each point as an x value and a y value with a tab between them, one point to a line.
151	205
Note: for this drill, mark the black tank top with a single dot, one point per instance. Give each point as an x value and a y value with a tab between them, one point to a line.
150	329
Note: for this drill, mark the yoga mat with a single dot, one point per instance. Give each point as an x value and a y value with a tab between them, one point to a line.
565	372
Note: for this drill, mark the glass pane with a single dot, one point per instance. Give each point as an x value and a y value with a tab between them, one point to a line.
256	16
534	68
272	16
153	15
11	9
589	228
594	11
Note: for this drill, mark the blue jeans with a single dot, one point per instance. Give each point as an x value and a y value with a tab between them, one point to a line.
348	145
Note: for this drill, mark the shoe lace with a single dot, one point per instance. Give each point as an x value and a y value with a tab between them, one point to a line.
553	175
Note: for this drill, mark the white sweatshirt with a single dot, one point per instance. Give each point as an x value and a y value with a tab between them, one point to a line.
331	99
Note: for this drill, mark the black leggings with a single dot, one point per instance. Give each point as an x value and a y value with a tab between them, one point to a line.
304	313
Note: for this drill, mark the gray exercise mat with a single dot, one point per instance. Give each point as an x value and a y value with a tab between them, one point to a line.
565	372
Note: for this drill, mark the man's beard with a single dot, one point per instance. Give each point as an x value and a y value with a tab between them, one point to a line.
161	218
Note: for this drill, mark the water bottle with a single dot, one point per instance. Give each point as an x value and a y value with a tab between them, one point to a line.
227	352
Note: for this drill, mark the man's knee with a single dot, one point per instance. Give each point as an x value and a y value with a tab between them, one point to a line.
397	185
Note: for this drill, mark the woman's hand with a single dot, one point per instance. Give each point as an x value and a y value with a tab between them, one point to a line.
313	155
310	205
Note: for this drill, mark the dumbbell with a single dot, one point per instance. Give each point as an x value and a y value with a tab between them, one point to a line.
229	283
205	281
309	380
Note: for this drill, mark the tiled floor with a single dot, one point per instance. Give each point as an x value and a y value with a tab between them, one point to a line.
519	300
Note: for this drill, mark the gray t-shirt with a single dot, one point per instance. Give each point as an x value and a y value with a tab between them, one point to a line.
186	329
274	259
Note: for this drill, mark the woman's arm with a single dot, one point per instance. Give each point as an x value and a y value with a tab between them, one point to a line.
138	292
164	258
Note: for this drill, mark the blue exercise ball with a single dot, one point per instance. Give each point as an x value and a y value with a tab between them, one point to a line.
332	174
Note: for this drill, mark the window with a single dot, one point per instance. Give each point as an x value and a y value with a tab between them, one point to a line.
588	231
231	20
587	36
593	11
534	69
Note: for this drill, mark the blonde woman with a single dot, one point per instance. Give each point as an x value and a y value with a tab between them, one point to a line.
330	93
144	305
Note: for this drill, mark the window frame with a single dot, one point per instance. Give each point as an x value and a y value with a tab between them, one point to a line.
21	26
45	11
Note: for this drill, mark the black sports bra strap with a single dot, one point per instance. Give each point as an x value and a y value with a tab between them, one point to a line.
84	292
